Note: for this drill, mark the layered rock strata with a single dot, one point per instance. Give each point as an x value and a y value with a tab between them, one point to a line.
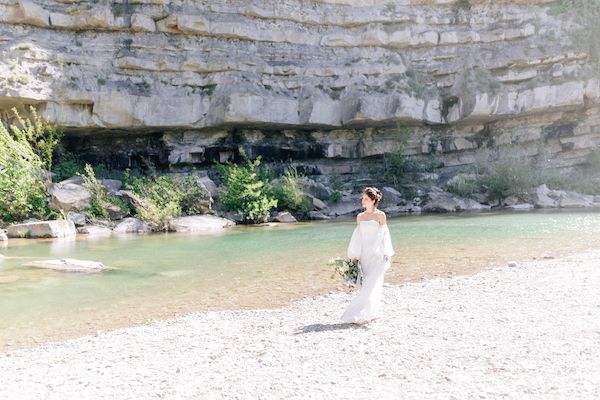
193	82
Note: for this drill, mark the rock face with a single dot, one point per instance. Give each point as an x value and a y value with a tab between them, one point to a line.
43	229
193	82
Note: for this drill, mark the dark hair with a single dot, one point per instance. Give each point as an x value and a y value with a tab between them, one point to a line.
374	194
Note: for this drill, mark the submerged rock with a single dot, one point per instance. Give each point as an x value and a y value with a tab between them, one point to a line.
69	265
42	229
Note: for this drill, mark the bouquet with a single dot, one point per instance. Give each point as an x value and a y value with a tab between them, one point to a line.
347	270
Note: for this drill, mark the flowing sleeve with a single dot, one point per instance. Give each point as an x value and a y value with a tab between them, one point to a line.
355	246
388	250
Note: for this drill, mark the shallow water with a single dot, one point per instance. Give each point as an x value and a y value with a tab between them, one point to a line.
160	276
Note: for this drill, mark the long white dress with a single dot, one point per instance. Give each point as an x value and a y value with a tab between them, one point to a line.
370	242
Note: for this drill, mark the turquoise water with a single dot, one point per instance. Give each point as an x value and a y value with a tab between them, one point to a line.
159	276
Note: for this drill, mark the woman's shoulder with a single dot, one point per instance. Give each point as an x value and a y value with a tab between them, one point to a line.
359	217
381	217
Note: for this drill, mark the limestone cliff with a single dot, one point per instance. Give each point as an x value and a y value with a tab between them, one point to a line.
191	81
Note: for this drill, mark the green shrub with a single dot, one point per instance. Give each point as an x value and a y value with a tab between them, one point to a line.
336	197
43	138
22	175
195	198
160	199
66	165
508	178
463	186
101	199
288	194
243	190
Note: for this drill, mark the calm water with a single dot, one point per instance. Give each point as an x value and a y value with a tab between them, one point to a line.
159	276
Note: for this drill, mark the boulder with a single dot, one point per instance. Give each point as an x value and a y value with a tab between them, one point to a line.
284	216
130	197
541	197
318	203
69	265
318	215
42	229
347	205
315	189
76	179
441	201
94	231
210	186
77	218
199	223
115	212
391	197
112	186
573	199
521	206
511	201
132	225
67	196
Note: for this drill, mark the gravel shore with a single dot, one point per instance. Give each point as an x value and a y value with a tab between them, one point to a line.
530	331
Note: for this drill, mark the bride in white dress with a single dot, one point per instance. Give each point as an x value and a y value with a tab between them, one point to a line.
371	246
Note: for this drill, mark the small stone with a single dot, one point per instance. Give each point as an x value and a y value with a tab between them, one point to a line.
513	264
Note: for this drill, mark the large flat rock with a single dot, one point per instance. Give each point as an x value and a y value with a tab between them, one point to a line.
69	265
199	224
42	229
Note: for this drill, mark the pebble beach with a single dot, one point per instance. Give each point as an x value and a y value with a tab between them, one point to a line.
526	331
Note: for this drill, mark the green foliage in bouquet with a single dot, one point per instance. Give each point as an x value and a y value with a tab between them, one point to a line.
345	269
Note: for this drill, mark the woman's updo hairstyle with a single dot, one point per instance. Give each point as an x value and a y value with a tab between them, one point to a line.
374	194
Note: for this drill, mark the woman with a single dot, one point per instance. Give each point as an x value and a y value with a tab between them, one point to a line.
370	246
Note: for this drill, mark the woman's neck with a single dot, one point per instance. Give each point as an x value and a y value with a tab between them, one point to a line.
370	210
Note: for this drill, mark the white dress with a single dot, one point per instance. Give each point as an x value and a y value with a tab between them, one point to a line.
370	242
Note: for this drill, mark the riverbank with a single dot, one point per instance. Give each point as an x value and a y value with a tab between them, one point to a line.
530	331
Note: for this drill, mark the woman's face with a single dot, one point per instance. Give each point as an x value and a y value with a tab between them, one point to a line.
366	201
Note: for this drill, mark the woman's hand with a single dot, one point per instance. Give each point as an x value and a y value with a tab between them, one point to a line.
355	260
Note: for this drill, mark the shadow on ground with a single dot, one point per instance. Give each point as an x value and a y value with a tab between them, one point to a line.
326	327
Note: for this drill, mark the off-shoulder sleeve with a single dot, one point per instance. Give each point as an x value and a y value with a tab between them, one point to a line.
388	250
355	246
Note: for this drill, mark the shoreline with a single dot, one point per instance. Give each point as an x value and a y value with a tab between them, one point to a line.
530	330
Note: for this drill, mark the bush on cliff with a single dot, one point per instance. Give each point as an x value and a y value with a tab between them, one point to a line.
244	191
